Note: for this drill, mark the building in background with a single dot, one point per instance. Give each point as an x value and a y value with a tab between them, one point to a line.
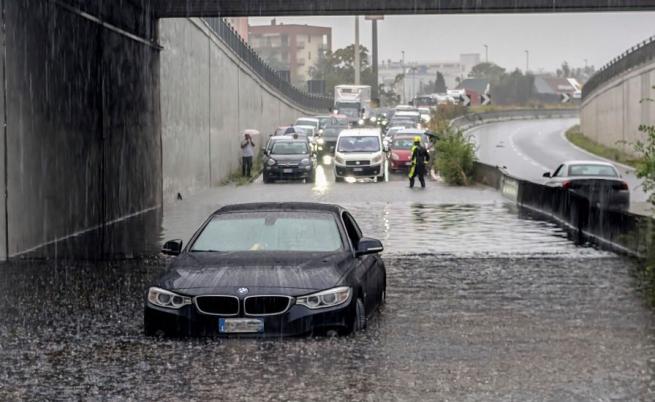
418	76
549	89
240	25
291	48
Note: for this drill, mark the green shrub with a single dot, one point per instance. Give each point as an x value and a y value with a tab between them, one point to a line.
455	158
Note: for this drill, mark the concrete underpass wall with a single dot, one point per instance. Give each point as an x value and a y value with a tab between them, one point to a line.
611	115
208	97
83	139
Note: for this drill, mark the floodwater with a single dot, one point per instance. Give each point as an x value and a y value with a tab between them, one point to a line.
483	303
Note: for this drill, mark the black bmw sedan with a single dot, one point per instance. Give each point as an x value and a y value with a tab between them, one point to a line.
269	269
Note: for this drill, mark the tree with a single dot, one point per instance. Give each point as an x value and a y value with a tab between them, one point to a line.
440	84
489	71
565	71
338	68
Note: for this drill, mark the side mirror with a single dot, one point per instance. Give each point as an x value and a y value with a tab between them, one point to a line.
172	247
368	246
547	174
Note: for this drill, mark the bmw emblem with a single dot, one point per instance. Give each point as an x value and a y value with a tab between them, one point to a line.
242	291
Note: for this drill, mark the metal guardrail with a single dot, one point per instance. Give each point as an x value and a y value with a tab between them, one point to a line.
248	55
471	120
633	57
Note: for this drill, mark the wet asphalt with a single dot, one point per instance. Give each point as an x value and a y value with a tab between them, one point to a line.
484	303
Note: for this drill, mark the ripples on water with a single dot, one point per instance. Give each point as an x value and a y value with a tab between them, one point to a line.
483	304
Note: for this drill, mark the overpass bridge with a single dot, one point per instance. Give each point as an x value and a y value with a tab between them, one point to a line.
97	99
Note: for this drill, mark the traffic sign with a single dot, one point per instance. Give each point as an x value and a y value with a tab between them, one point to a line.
465	99
564	97
485	99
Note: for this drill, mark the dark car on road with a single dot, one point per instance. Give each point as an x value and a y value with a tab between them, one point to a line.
598	182
289	159
331	131
269	269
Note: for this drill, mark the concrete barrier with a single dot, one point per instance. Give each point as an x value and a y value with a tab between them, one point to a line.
620	231
471	120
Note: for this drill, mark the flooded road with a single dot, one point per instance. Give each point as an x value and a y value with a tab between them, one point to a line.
483	303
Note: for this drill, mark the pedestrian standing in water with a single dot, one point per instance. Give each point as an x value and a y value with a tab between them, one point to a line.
420	157
247	152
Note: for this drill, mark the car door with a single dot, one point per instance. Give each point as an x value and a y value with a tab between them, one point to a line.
368	267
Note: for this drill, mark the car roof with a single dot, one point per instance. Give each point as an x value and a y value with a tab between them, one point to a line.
280	206
411	131
307	118
361	132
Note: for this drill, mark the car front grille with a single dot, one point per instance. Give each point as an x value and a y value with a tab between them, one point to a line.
287	164
218	305
266	305
357	163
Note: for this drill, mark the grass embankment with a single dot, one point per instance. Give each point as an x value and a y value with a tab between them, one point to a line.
578	138
236	178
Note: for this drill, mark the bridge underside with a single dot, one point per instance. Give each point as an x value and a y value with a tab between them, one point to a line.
197	8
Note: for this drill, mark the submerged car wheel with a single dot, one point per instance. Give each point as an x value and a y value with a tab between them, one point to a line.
338	179
266	179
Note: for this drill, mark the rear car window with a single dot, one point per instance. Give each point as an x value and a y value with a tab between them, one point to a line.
592	170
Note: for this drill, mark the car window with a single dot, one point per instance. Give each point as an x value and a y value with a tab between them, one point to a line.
289	148
359	144
402	143
354	233
306	122
592	170
270	231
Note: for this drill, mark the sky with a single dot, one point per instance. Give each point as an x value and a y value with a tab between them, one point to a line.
549	38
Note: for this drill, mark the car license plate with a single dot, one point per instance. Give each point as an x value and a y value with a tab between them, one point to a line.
357	169
240	325
287	170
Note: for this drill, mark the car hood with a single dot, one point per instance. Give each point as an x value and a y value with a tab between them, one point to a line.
402	153
261	272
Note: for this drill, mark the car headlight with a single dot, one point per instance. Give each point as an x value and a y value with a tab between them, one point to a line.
321	131
373	119
304	161
320	141
271	162
376	159
339	159
164	298
384	122
326	298
361	122
395	156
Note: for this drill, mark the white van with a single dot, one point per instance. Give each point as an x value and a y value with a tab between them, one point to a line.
359	153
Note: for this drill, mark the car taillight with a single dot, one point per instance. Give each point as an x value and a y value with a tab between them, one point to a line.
621	186
566	185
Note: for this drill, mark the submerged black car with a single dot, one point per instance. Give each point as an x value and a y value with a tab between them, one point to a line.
269	269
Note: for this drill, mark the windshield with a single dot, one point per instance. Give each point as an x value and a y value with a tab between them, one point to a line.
402	143
359	144
592	170
306	122
289	148
270	231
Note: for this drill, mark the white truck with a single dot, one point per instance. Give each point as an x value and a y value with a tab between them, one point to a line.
353	101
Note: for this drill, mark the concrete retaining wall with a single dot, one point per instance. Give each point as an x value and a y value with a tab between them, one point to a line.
611	115
82	136
208	97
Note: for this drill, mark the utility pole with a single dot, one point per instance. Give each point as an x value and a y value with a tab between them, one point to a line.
486	53
357	63
402	65
374	55
527	61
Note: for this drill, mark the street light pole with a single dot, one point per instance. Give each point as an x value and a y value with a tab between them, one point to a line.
374	53
486	53
402	65
527	61
357	63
